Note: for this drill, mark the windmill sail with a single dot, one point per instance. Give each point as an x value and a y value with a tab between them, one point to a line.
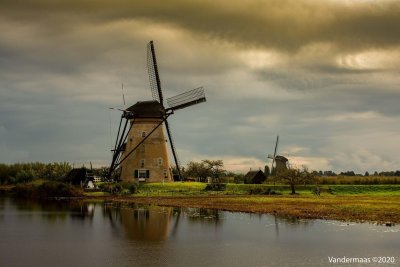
187	99
154	78
174	153
156	91
276	150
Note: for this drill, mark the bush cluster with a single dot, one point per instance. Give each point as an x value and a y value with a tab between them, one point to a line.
27	172
119	188
262	191
46	190
215	187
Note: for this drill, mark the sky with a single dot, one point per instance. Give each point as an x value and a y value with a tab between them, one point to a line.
323	75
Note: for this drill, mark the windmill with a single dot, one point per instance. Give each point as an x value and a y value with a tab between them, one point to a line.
140	149
278	162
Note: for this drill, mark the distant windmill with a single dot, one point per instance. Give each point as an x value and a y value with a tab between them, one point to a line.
278	162
140	150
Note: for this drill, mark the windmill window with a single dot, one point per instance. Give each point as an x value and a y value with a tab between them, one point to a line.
142	174
142	161
165	174
160	161
143	134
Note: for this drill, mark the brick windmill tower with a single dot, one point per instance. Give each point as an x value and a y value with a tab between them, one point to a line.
141	147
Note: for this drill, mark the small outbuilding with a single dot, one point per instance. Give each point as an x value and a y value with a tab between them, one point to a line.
254	177
82	177
76	176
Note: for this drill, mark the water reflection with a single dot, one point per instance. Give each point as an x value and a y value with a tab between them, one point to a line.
110	234
137	221
142	223
55	210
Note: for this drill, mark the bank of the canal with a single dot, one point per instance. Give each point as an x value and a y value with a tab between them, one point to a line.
374	203
380	209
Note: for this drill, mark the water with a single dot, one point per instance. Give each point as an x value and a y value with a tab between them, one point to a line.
96	234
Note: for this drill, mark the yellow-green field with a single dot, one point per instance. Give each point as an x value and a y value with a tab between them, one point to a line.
373	203
194	189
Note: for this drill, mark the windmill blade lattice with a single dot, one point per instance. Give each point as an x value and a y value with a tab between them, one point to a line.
187	99
154	78
173	149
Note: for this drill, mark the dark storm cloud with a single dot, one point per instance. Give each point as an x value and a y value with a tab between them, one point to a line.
283	25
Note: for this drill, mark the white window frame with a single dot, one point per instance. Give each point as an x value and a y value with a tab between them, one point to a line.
142	174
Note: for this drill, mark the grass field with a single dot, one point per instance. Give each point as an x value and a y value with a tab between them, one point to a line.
373	203
381	209
372	190
194	189
358	180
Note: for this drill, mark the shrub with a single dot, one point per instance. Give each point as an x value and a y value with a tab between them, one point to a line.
24	177
215	187
57	189
46	190
130	186
262	191
118	188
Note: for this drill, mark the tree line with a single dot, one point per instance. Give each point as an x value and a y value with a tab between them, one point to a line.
352	173
202	171
27	172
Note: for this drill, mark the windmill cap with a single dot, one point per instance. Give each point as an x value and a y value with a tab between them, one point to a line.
147	109
281	158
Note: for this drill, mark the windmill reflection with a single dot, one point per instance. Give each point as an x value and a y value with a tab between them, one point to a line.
142	223
155	223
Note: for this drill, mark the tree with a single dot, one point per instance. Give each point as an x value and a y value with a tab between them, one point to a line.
366	174
348	173
266	171
204	169
24	177
295	176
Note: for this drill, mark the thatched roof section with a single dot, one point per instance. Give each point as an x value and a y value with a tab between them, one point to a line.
147	109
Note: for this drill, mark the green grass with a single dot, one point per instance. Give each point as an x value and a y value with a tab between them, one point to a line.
165	189
195	189
358	180
379	190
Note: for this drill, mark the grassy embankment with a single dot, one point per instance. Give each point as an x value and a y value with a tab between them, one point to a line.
374	203
198	189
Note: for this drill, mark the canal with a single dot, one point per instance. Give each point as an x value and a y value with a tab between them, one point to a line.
103	234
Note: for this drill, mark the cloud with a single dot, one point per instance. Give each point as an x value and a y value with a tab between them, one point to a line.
321	74
362	160
231	162
313	163
282	25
